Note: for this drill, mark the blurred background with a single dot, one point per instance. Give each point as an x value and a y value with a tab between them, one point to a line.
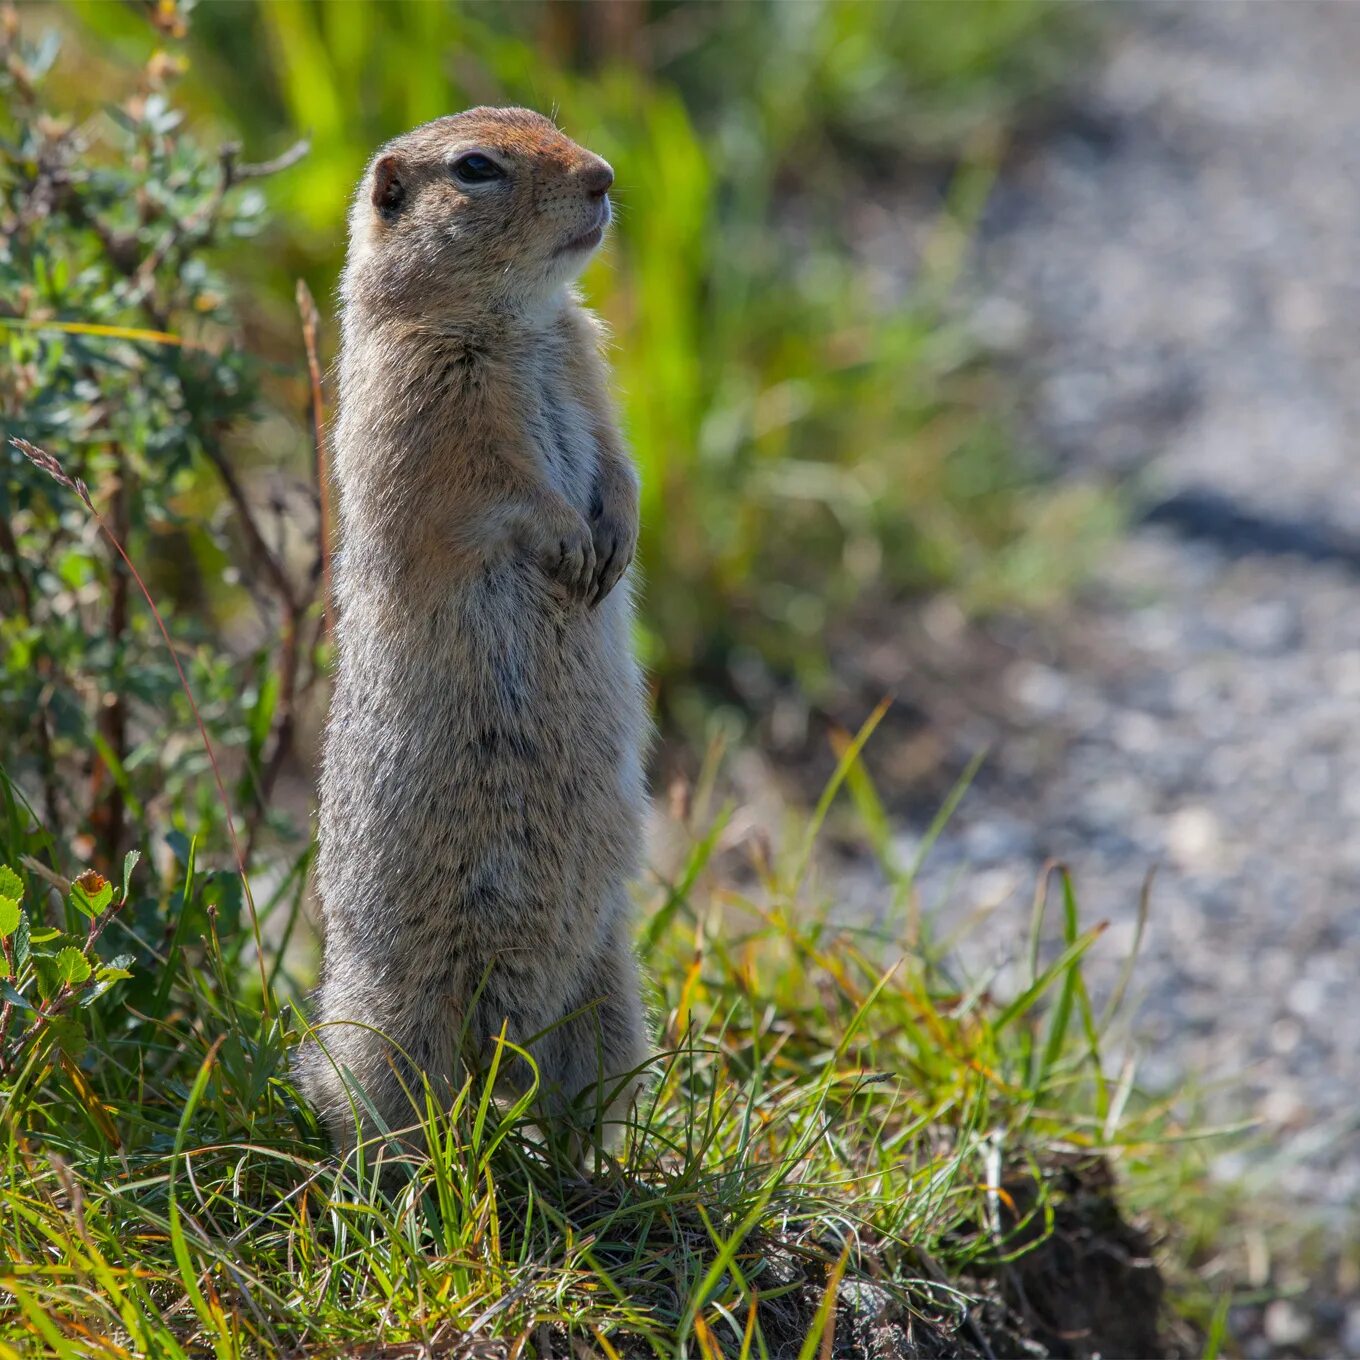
996	356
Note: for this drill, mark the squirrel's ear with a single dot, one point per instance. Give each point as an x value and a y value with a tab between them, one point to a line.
389	192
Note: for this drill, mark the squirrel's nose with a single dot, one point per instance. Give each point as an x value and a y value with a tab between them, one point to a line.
597	176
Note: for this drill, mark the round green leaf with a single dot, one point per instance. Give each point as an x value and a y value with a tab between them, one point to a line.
72	967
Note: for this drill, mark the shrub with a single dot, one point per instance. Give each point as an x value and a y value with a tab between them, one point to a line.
124	359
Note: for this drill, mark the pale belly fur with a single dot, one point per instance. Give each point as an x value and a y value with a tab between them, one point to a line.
481	817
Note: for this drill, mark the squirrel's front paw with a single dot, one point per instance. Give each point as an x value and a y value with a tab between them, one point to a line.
615	540
568	558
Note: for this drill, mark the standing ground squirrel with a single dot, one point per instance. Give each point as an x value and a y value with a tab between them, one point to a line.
483	789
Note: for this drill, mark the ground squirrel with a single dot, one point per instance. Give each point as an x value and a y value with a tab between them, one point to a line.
483	791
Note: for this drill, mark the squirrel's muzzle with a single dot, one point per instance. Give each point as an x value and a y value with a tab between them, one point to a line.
597	175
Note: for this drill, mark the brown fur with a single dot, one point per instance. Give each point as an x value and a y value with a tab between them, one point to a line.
482	793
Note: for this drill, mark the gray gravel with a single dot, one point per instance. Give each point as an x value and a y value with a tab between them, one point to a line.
1175	269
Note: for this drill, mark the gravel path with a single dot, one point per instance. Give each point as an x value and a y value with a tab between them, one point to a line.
1181	258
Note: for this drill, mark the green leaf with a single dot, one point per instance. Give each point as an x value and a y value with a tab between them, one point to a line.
104	979
179	844
261	716
69	1035
130	862
15	998
91	893
679	893
21	945
1061	965
10	916
76	568
72	967
11	885
1060	1018
45	970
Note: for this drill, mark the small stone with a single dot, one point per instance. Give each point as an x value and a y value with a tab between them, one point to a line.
1282	1109
1285	1036
1137	733
1040	689
993	887
1286	1325
1306	998
1192	838
1000	325
1267	627
1344	675
867	1299
1350	1332
995	840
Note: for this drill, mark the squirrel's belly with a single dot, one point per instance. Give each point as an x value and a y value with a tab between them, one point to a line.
482	783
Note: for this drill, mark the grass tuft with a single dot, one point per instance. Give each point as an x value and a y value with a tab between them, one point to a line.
839	1143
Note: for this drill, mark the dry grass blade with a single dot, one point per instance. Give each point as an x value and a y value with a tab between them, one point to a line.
140	334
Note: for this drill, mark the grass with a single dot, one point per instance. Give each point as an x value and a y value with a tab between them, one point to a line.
836	1125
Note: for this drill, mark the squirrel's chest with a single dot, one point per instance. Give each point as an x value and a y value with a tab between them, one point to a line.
560	428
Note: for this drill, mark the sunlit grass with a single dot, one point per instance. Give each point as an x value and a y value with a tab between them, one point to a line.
828	1107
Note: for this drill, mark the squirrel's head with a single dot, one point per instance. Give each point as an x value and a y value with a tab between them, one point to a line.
479	210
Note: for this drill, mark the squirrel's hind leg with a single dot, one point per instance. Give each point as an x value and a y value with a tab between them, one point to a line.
352	1071
590	1065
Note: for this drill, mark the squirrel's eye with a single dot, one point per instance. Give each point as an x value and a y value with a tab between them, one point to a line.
474	168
